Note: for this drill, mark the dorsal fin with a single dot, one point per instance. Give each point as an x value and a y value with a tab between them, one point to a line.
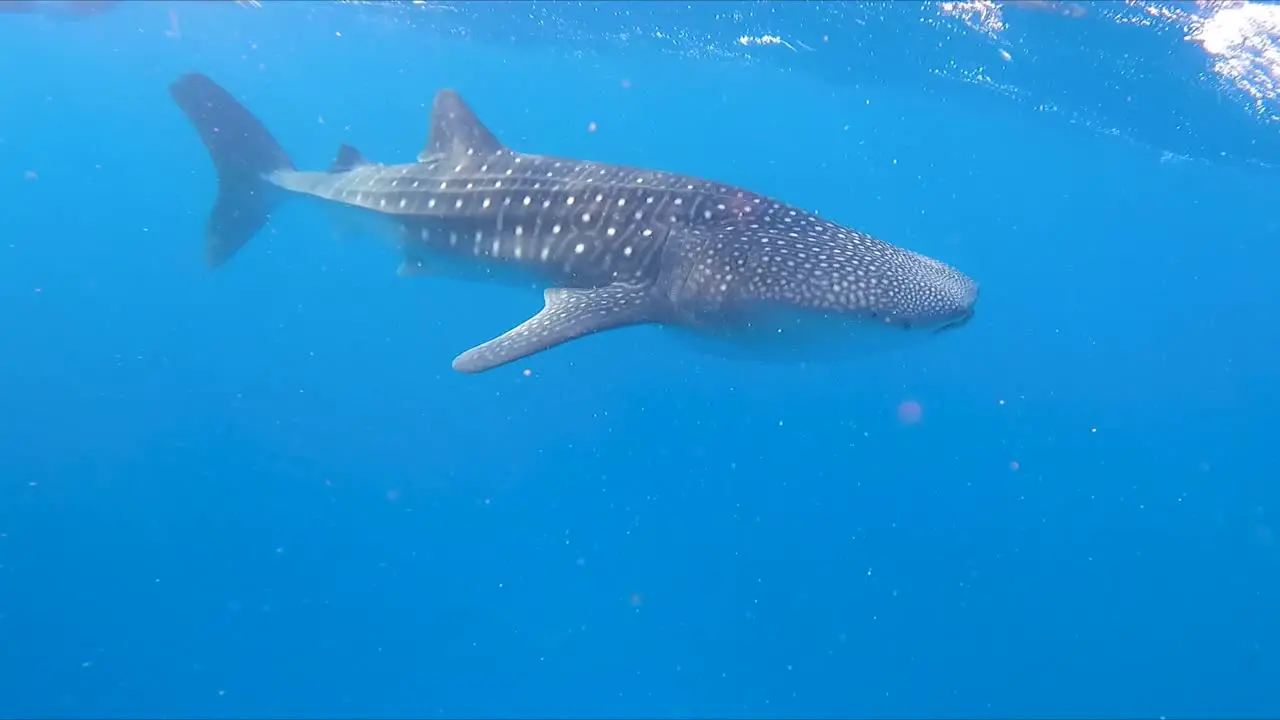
348	158
455	130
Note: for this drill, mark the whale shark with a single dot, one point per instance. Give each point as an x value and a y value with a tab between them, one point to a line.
611	246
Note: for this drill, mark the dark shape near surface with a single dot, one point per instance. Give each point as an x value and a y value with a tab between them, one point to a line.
58	8
617	245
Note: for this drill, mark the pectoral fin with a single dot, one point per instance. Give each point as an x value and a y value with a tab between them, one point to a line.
568	314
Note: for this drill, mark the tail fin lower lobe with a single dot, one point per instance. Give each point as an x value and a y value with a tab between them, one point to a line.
243	152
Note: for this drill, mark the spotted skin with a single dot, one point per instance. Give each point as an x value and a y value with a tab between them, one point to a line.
617	245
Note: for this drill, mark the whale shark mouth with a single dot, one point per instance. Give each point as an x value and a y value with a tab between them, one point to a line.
958	322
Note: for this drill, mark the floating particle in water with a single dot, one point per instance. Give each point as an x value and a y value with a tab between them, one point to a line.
636	600
1014	465
527	372
591	127
393	495
910	412
626	84
31	175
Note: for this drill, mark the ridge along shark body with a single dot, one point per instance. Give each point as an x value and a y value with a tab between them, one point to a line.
619	246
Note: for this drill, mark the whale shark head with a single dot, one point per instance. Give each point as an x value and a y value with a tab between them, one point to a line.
914	292
804	286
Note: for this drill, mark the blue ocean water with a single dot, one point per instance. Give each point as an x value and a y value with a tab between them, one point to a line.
262	492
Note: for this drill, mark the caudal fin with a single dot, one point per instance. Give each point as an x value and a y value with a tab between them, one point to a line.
243	152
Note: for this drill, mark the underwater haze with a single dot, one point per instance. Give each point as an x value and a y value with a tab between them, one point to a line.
261	490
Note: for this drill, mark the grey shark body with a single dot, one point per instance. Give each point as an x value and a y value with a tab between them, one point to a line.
617	246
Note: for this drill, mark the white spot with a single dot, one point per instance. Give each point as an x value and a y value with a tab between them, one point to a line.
359	197
458	169
403	202
425	233
586	217
453	239
647	232
579	248
611	232
599	198
679	201
527	200
497	183
546	252
431	203
486	203
627	251
546	203
622	202
569	200
555	229
458	204
519	230
382	202
444	186
706	214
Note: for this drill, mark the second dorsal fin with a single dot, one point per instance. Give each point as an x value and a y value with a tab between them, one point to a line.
348	158
455	130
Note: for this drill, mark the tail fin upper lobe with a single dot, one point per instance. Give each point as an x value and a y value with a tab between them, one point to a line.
243	152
